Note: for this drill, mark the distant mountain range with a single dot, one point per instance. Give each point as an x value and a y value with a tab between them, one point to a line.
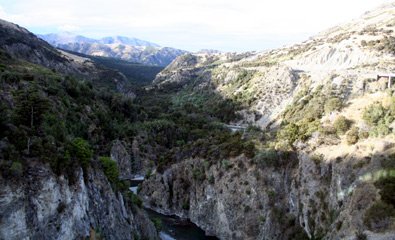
128	49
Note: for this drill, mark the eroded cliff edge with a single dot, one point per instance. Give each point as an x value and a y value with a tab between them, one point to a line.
43	205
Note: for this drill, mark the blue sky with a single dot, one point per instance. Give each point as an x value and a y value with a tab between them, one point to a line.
226	25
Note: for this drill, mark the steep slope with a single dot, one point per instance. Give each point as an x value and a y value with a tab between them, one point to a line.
266	82
324	162
21	44
54	125
129	49
136	73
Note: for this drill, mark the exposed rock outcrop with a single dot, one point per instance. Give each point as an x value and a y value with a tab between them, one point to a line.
46	206
122	157
324	197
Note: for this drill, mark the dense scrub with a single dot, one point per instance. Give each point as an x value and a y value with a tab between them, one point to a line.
68	122
379	118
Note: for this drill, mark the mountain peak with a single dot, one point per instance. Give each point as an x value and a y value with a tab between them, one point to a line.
127	41
125	48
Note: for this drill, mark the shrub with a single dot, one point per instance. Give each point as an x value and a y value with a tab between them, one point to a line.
327	130
381	129
211	179
16	168
136	200
110	169
352	136
80	150
387	190
267	158
317	159
373	113
289	133
157	223
363	134
333	104
198	174
226	164
378	216
341	124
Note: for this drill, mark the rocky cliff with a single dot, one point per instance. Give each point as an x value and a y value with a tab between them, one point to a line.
43	205
306	197
311	178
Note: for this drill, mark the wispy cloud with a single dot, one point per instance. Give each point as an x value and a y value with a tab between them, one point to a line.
221	24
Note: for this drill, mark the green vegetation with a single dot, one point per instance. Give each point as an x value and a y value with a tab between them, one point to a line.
272	158
352	135
333	104
379	216
157	223
386	44
69	122
387	189
136	73
304	114
110	169
379	118
79	150
341	124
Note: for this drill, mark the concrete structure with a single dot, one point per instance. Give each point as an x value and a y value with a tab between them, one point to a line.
390	77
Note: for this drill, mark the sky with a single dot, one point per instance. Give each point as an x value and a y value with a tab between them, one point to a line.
226	25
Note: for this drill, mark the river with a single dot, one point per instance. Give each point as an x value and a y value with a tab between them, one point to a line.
173	227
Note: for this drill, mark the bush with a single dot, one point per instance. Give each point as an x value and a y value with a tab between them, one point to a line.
136	200
333	104
198	174
373	113
327	130
267	158
363	134
80	150
110	169
289	133
16	169
226	164
381	129
387	190
352	136
378	216
157	223
341	124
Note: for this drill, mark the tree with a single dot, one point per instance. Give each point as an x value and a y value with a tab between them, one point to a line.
333	104
80	151
341	124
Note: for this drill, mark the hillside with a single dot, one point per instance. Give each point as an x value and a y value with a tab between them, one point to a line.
136	73
292	143
128	49
320	106
70	141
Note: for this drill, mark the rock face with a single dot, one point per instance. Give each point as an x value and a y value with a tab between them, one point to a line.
245	201
239	202
130	49
122	157
45	206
